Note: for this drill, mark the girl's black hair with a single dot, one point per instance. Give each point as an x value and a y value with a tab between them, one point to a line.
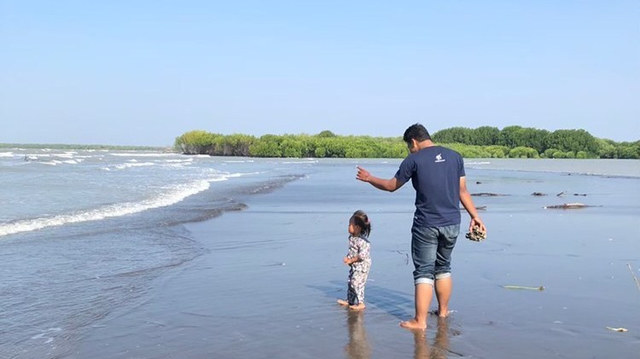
361	220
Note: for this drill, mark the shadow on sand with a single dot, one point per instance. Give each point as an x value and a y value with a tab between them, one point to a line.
395	303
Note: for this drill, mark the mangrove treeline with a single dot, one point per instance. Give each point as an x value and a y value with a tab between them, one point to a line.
482	142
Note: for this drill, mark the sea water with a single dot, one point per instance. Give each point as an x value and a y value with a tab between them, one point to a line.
84	232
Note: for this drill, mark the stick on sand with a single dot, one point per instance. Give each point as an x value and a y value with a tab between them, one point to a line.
521	287
635	278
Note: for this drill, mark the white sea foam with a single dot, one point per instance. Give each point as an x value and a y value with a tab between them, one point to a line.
179	161
176	165
243	174
51	163
173	195
6	154
37	155
299	162
133	164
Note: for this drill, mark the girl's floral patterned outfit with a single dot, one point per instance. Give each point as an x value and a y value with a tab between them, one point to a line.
359	271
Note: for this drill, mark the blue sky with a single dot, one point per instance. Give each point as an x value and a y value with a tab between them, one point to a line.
144	72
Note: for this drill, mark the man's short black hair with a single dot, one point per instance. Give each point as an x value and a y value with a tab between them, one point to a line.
416	132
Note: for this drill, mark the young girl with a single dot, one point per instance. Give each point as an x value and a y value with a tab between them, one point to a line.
358	259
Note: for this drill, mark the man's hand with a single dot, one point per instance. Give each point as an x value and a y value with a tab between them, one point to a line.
477	222
363	175
347	260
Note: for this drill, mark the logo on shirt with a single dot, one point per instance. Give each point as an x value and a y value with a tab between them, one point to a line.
439	158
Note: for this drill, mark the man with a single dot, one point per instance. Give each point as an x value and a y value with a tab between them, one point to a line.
438	176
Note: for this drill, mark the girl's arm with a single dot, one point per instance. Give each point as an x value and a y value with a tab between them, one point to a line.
351	260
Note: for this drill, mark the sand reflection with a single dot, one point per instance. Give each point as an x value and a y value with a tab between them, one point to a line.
440	347
358	346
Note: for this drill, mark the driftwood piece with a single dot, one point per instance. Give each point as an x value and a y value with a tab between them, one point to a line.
635	278
540	288
621	330
568	206
487	194
479	208
539	194
565	193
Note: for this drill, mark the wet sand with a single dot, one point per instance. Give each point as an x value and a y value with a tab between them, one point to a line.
267	284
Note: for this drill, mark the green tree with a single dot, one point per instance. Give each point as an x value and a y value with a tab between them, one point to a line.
606	148
627	150
485	136
320	152
523	152
534	138
572	140
497	151
291	148
510	136
548	153
266	146
453	135
195	142
326	134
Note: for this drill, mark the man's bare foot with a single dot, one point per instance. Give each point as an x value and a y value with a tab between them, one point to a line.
413	325
360	306
343	302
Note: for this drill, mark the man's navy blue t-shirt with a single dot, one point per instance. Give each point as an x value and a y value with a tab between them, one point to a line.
435	174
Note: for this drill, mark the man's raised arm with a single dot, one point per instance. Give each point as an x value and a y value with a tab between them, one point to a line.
379	183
